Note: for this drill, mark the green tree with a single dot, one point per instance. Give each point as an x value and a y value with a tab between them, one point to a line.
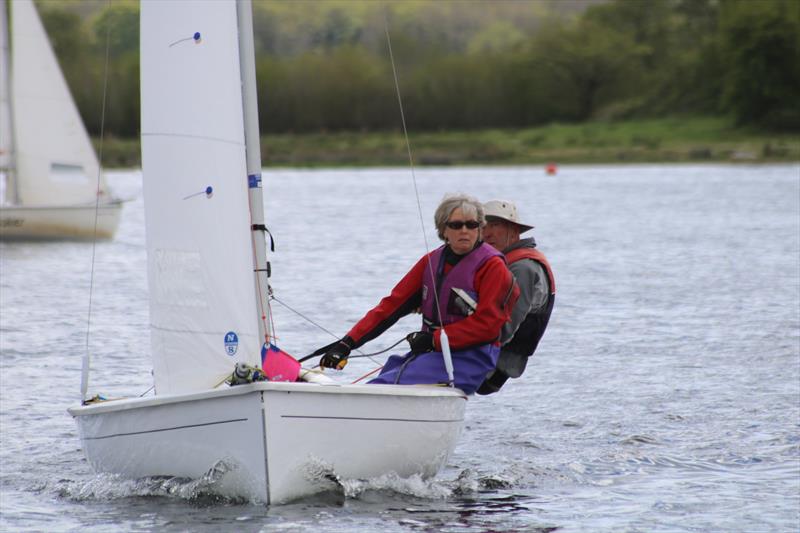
117	26
499	36
690	78
116	33
67	36
344	89
761	49
452	92
590	63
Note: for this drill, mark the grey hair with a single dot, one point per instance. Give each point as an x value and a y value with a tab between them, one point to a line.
469	205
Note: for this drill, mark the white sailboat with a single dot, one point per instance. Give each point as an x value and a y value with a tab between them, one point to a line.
53	187
266	441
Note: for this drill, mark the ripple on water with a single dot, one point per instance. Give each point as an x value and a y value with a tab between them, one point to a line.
664	396
639	439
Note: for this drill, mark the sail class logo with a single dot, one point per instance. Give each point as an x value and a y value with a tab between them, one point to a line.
231	343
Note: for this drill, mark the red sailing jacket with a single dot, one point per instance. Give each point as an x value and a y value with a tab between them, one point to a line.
493	282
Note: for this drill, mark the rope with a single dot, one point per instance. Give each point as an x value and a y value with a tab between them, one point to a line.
87	357
378	353
368	374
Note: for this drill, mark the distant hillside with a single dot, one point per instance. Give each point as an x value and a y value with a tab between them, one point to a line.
291	27
323	65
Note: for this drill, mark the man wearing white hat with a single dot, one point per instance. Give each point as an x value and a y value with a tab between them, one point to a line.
520	336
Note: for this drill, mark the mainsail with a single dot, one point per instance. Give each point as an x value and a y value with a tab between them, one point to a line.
203	306
55	160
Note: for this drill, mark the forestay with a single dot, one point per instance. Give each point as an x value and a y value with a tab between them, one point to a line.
55	161
203	309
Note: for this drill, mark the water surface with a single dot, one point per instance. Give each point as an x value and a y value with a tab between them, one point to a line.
665	395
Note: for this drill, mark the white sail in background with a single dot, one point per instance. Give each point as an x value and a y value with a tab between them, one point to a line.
203	310
55	161
5	93
8	192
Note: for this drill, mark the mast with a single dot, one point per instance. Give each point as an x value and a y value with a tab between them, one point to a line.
253	154
7	151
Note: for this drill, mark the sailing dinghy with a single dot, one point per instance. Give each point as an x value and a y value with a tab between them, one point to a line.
53	188
268	441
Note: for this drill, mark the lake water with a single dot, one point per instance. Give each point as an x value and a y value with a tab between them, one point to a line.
665	395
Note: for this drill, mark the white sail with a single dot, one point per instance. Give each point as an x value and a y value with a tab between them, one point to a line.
5	93
55	161
8	193
203	309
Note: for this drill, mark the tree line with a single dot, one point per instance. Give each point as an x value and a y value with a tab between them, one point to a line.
461	65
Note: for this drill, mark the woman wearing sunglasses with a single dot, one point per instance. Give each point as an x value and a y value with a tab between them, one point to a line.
463	285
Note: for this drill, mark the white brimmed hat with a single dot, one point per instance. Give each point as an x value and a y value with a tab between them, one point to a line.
505	210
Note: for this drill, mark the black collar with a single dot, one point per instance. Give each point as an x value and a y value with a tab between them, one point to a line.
452	258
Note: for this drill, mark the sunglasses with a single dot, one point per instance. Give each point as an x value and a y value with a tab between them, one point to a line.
458	224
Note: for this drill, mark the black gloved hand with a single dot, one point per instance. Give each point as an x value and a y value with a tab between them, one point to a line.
420	342
335	354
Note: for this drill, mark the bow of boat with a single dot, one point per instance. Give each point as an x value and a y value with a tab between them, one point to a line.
276	441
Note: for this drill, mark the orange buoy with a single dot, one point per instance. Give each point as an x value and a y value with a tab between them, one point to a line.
551	169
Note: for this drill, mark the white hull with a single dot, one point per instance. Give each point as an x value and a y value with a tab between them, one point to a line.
277	441
59	222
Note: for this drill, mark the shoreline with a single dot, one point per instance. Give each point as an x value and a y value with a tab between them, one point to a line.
677	140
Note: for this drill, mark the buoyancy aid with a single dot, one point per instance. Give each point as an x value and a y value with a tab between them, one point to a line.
461	276
532	253
515	353
471	364
530	332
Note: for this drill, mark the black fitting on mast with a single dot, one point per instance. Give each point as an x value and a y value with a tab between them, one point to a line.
268	270
262	227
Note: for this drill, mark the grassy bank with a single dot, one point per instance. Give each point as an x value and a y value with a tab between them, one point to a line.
662	140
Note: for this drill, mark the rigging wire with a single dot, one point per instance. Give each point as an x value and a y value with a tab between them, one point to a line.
271	295
86	357
411	160
419	212
443	338
304	317
332	334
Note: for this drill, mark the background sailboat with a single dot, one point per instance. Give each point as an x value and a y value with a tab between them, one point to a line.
53	185
267	441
